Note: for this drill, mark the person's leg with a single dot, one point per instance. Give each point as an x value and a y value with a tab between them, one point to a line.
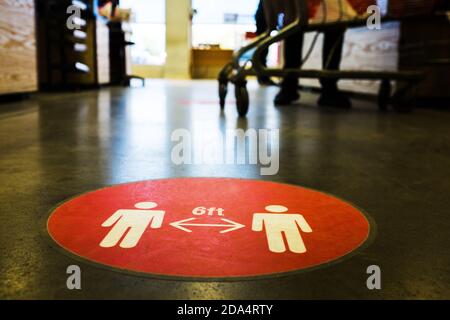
331	60
331	56
261	27
292	60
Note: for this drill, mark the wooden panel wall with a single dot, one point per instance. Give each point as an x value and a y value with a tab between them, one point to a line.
18	66
207	63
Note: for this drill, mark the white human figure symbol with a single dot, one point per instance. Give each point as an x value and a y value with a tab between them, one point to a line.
276	223
134	221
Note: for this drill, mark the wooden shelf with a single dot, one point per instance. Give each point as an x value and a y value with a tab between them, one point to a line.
72	58
207	63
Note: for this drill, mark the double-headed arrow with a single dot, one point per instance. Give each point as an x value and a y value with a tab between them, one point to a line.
231	226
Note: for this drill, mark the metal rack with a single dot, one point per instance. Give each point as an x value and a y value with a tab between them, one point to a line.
68	58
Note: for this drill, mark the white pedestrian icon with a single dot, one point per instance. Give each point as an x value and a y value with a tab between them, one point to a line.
276	223
132	223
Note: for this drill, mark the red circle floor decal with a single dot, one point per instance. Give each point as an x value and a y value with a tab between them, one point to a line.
208	227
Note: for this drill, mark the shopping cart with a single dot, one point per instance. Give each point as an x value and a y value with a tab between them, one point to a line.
237	71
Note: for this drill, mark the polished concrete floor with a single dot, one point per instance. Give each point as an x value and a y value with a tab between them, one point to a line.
394	166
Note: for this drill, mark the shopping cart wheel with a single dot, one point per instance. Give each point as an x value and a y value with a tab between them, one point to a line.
384	95
241	99
223	90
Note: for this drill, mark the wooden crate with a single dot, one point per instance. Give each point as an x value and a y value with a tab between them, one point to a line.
207	63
